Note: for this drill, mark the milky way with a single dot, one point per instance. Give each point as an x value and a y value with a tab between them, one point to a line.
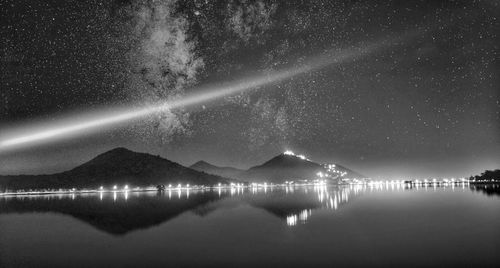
429	106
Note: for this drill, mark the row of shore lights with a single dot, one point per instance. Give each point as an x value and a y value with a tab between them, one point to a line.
126	188
115	188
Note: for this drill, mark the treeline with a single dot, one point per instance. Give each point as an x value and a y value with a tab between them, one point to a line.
487	176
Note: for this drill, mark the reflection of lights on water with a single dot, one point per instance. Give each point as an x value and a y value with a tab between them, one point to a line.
329	197
305	214
302	217
291	220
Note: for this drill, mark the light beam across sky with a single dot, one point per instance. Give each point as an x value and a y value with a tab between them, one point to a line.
82	124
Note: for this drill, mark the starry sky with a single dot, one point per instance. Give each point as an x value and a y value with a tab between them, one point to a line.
428	105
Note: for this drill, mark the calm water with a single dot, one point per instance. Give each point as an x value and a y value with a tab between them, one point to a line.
309	226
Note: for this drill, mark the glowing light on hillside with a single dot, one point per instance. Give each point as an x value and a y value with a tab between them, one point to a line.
291	153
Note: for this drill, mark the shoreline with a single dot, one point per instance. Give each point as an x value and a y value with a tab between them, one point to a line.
198	188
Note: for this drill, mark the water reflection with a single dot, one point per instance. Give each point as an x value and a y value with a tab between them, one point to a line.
116	213
296	204
119	213
487	189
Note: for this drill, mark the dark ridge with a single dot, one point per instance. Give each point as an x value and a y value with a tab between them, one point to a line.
118	166
228	172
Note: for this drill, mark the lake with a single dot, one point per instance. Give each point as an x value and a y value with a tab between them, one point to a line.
314	226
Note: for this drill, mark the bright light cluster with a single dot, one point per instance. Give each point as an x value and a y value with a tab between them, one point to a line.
293	219
331	171
288	152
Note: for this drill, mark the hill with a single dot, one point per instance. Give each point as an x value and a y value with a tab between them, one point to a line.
119	166
227	172
288	166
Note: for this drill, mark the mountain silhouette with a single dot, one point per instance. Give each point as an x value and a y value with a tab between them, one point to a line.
118	166
289	167
227	172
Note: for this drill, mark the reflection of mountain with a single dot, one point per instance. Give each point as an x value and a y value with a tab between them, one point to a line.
227	172
118	213
297	205
115	217
487	189
283	205
118	166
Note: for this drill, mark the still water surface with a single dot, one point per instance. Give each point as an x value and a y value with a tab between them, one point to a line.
303	226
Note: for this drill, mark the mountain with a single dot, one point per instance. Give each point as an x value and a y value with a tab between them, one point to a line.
119	166
282	167
288	166
227	172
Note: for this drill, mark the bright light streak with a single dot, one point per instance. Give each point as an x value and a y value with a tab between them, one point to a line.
85	124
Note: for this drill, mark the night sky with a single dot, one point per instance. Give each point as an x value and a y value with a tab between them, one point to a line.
423	105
